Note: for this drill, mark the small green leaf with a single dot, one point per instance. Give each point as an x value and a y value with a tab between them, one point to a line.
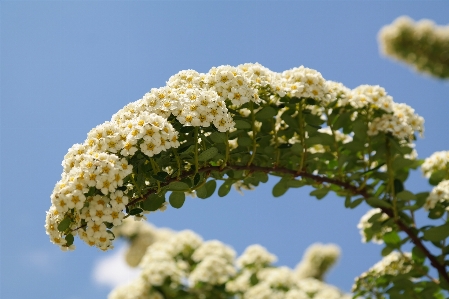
177	199
224	188
186	150
69	238
218	137
210	187
356	203
244	141
196	179
160	176
406	195
417	255
186	129
376	203
91	192
437	177
208	154
266	113
398	186
261	176
241	124
135	211
295	183
64	224
387	250
392	238
280	188
108	224
437	233
153	202
178	186
319	193
201	192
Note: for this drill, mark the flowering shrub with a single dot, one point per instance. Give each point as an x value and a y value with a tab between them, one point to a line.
422	45
237	126
182	265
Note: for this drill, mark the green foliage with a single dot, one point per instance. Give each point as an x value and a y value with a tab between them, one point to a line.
177	199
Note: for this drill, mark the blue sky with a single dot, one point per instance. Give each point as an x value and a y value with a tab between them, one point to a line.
68	66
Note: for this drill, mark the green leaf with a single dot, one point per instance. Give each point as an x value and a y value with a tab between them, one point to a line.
280	188
320	193
244	141
398	186
69	238
241	124
356	203
224	188
196	179
186	129
386	250
135	211
186	150
64	224
153	202
160	176
178	186
177	199
207	189
210	187
108	224
376	203
437	177
342	120
417	255
208	154
91	192
218	137
392	238
266	113
297	148
295	183
261	176
201	192
437	233
406	195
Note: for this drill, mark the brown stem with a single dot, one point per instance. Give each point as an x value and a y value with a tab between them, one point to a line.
318	179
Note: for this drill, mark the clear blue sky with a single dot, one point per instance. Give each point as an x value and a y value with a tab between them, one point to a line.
68	66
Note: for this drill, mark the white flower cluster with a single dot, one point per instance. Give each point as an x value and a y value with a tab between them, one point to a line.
438	162
398	119
422	45
365	225
393	264
184	261
84	169
256	256
439	194
317	260
91	196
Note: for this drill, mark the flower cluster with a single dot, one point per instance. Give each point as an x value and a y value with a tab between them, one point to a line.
317	261
438	161
183	264
393	264
436	167
244	115
370	226
422	45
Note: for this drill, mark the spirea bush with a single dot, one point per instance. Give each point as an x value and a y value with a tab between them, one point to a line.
422	45
240	126
182	265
